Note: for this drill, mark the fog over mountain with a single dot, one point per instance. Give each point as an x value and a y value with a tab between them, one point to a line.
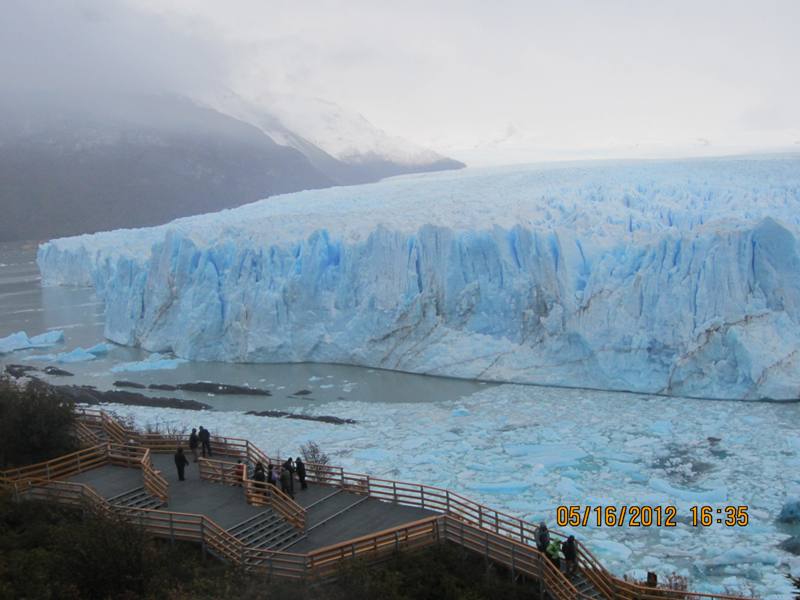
116	118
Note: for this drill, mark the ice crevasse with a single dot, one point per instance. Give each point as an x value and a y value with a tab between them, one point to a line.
676	277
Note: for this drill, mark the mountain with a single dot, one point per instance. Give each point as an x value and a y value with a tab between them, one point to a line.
340	143
68	167
673	277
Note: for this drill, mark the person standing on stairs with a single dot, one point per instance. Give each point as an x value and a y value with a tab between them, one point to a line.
570	550
301	472
194	442
542	537
286	481
181	463
260	477
289	466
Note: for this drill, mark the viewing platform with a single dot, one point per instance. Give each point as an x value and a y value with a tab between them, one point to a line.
341	516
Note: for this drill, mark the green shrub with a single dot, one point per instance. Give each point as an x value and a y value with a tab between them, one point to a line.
35	424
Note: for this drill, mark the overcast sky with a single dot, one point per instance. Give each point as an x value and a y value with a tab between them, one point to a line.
489	82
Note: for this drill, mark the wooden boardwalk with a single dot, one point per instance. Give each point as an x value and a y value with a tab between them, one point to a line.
332	515
341	516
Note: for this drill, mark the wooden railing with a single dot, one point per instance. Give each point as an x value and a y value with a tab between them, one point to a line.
62	492
500	536
519	558
59	468
220	471
326	562
154	482
261	493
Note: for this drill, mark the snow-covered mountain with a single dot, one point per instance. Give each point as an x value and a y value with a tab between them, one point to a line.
339	142
131	161
673	277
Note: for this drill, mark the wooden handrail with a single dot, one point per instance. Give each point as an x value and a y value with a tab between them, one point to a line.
262	493
60	467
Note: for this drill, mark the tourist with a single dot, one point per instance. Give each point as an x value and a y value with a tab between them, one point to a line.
260	477
194	442
181	463
276	475
205	440
289	466
554	553
301	472
286	481
542	537
570	550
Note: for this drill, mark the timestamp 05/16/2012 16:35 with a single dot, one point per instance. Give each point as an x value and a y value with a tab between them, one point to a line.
650	516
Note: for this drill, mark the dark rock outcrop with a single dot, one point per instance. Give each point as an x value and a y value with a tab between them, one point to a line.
285	415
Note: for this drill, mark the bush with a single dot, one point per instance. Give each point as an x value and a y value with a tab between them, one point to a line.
35	424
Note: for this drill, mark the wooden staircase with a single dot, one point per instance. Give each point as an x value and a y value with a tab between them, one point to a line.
136	498
266	530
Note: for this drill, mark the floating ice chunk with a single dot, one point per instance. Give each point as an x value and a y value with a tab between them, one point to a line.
499	488
326	386
743	556
154	362
459	412
74	356
99	349
611	549
546	455
709	496
373	454
49	338
21	341
661	427
15	341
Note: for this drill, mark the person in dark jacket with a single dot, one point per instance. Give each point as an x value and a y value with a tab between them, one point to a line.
570	550
289	466
194	442
301	472
286	478
181	463
205	440
542	537
260	477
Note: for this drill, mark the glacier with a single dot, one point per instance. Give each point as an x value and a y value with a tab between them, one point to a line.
671	277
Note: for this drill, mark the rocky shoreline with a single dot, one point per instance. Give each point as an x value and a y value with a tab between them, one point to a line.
87	394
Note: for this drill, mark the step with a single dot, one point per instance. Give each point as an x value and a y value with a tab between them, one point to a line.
135	498
339	512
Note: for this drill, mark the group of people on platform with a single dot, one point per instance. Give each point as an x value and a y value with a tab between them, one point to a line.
283	475
276	474
554	549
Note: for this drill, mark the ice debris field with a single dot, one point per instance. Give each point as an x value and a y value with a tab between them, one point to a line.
675	277
526	450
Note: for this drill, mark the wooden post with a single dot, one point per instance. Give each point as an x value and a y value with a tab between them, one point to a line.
480	515
203	538
447	497
171	531
513	563
394	490
422	495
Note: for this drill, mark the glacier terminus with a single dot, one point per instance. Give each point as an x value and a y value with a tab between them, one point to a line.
672	277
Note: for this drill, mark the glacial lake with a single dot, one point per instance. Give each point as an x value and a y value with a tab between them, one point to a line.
522	449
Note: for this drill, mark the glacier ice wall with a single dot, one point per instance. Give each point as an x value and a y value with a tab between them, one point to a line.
676	277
